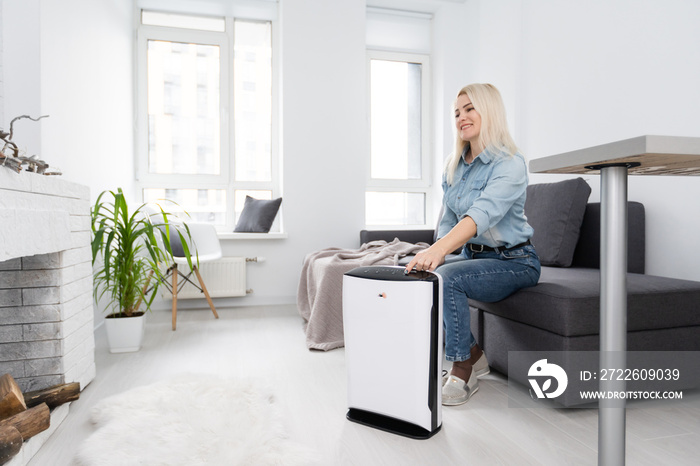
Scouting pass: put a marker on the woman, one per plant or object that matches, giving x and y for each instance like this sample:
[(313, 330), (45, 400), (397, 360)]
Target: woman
[(484, 197)]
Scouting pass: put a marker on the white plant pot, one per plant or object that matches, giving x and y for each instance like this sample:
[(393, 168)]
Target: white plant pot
[(125, 334)]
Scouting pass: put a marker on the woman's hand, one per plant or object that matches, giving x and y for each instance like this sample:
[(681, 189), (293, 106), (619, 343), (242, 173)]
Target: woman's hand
[(428, 259), (433, 257)]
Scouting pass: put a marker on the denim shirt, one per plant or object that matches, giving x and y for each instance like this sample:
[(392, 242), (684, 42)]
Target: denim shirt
[(490, 190)]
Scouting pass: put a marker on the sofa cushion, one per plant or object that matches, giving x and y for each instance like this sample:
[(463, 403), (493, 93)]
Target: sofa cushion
[(555, 211), (587, 252), (567, 302), (258, 215)]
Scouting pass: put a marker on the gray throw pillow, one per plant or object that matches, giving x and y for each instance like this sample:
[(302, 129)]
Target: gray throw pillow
[(257, 215), (555, 211)]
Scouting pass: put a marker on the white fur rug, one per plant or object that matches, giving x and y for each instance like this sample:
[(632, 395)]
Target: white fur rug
[(191, 420)]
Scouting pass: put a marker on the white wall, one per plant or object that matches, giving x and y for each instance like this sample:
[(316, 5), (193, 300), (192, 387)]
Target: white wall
[(454, 59), (324, 140), (72, 60), (2, 85), (325, 131), (325, 137), (22, 72), (589, 73), (87, 88)]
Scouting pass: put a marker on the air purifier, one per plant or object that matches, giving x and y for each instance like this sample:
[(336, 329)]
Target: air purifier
[(393, 349)]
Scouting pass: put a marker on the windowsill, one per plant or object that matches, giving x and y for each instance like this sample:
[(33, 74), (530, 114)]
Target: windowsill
[(247, 236)]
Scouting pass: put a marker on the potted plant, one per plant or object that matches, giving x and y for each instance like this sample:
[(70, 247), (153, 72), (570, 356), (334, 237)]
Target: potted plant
[(130, 246)]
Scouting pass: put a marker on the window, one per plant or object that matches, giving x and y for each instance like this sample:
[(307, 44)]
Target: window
[(205, 110), (397, 191)]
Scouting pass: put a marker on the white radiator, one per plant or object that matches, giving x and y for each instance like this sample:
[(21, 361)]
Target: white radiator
[(223, 278)]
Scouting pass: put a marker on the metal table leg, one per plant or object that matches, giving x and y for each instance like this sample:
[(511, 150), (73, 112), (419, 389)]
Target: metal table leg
[(613, 311)]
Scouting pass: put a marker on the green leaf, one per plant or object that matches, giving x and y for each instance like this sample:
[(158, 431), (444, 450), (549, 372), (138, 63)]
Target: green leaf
[(130, 251)]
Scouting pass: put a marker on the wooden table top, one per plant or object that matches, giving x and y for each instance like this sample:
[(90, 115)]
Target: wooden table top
[(645, 155)]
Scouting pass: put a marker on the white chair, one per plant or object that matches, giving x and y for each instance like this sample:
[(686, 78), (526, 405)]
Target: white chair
[(203, 247)]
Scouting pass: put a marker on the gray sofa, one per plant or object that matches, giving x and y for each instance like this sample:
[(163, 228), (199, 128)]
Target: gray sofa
[(562, 312)]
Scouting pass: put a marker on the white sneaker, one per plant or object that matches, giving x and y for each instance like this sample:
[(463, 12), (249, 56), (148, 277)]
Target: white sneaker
[(456, 391), (480, 368)]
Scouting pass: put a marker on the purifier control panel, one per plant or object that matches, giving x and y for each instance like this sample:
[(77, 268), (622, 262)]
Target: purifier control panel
[(390, 273)]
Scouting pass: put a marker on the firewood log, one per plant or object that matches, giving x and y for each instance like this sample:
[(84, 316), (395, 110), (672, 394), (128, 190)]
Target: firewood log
[(11, 398), (53, 396), (30, 422), (10, 443)]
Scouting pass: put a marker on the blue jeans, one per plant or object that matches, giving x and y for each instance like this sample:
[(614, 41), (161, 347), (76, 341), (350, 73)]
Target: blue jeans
[(483, 276)]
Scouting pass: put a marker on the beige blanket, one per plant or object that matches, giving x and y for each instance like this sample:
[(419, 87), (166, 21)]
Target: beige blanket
[(320, 293)]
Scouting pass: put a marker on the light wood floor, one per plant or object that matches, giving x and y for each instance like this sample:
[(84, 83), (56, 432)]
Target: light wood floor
[(267, 343)]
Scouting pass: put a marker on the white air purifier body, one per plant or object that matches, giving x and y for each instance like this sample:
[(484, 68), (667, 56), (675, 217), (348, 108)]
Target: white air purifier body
[(393, 349)]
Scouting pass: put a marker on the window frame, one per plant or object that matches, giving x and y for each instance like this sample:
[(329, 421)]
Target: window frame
[(225, 180), (424, 184)]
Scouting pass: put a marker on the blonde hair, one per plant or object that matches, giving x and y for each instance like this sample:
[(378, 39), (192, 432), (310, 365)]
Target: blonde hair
[(494, 133)]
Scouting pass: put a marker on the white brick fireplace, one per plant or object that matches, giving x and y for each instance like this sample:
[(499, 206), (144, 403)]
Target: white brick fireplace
[(46, 307)]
